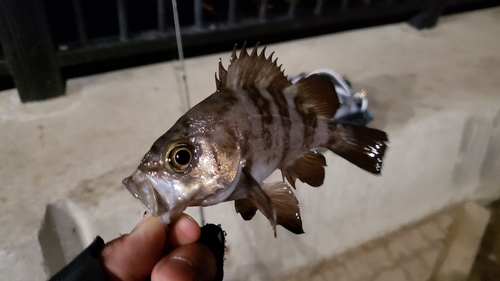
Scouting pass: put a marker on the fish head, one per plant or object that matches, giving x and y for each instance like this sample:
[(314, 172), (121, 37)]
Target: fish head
[(178, 172)]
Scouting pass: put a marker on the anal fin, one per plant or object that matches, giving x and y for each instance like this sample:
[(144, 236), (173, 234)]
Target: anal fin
[(284, 202), (286, 205), (308, 168)]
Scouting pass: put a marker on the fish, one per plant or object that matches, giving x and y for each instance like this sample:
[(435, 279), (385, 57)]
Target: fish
[(256, 121)]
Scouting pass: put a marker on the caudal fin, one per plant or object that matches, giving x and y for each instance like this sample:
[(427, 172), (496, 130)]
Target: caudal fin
[(362, 146)]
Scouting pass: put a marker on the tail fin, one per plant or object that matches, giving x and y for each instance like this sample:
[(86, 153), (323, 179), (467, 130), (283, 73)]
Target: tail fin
[(362, 146)]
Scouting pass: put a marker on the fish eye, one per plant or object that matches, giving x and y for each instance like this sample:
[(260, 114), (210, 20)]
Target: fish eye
[(179, 157), (182, 156)]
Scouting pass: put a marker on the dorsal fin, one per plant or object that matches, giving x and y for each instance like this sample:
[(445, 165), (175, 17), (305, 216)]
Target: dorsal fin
[(316, 93), (251, 70)]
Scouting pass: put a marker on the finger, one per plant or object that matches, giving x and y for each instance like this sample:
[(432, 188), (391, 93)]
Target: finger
[(184, 231), (133, 256), (186, 263)]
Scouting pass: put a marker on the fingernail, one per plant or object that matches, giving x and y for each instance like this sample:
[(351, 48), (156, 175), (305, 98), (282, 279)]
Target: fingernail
[(192, 219), (183, 267)]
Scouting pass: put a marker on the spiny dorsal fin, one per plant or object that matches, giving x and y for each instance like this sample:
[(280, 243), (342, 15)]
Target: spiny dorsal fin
[(308, 168), (316, 93), (251, 70)]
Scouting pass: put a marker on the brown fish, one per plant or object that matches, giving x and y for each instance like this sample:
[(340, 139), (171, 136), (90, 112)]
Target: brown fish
[(257, 121)]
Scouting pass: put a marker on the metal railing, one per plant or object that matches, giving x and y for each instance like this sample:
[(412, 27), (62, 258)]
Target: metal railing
[(43, 39)]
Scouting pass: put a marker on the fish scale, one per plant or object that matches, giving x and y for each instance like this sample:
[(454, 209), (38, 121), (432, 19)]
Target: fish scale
[(257, 121)]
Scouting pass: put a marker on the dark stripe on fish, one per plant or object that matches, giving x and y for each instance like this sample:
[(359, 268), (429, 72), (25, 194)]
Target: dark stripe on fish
[(263, 106), (311, 130), (310, 121), (286, 124), (245, 147), (261, 103)]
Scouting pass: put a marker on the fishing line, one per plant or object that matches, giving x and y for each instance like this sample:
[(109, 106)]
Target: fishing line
[(180, 51)]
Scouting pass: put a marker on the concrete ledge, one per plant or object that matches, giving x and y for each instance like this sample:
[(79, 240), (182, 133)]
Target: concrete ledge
[(462, 243), (440, 247), (409, 253)]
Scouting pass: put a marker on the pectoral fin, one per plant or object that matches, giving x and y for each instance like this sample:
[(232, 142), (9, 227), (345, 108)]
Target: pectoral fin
[(259, 198), (308, 168)]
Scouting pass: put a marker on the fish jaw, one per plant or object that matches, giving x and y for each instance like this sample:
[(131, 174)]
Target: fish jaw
[(158, 197)]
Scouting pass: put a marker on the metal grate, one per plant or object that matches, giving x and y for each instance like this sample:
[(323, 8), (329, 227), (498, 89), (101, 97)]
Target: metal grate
[(121, 23), (86, 32)]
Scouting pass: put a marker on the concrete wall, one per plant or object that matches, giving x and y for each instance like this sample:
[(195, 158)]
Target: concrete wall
[(435, 92)]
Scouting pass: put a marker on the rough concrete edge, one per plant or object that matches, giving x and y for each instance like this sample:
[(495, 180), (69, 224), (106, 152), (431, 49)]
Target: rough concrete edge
[(450, 210), (465, 234), (59, 237), (486, 265)]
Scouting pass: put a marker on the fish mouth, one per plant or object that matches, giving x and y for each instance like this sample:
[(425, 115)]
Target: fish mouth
[(143, 189)]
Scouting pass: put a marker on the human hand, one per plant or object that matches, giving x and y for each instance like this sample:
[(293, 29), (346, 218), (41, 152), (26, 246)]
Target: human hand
[(164, 253)]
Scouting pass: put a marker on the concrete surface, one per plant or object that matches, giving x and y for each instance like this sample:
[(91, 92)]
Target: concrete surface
[(435, 92), (407, 254), (461, 244), (487, 262), (440, 247)]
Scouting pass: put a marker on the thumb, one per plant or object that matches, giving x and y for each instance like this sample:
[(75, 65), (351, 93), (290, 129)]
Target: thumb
[(133, 256)]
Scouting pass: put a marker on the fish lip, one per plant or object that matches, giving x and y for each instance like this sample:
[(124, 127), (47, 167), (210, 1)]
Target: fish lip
[(139, 185)]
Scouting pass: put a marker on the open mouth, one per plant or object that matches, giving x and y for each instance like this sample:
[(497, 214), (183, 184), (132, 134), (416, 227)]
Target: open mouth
[(141, 187)]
